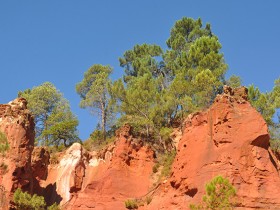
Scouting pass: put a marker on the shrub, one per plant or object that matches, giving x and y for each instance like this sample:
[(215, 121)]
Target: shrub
[(156, 167), (4, 144), (149, 200), (3, 168), (96, 143), (55, 206), (97, 136), (167, 163), (165, 133), (131, 204), (219, 195), (24, 201)]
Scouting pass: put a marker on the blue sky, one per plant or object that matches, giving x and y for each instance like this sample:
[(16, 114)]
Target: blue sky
[(58, 41)]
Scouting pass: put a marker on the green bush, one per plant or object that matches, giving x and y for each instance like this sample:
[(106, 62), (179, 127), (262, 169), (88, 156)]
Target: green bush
[(131, 204), (24, 201), (55, 206), (156, 167), (219, 195), (97, 136), (167, 163), (4, 144), (96, 141), (165, 134)]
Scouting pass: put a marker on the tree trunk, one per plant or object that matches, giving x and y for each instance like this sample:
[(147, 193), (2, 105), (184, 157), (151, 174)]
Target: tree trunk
[(147, 131), (103, 120), (46, 143)]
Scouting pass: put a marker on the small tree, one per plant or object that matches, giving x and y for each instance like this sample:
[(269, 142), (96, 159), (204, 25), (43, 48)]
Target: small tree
[(219, 194), (62, 127), (53, 117)]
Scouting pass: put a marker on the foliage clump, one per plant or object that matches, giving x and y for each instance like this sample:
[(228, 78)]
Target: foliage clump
[(95, 93), (4, 147), (4, 144), (96, 139), (131, 204), (54, 206), (219, 195), (167, 163), (268, 104), (25, 201), (159, 88), (55, 123), (164, 164)]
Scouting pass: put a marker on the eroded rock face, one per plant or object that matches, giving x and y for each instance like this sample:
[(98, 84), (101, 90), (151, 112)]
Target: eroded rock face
[(17, 124), (40, 161), (120, 172), (230, 139), (67, 176)]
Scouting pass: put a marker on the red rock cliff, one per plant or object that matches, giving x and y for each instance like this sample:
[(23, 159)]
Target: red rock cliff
[(17, 124), (229, 139), (119, 172)]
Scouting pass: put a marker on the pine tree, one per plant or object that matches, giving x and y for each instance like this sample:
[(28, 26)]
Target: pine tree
[(45, 102), (94, 91), (219, 195)]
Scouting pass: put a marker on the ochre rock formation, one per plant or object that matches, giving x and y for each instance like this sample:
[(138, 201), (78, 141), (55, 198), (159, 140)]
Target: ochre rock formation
[(40, 161), (120, 172), (66, 176), (230, 139), (17, 124)]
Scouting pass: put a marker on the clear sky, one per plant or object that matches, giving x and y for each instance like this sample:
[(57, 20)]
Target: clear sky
[(58, 41)]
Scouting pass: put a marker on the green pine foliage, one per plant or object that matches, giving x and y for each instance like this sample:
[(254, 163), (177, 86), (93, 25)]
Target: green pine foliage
[(167, 163), (4, 144), (263, 103), (4, 147), (24, 201), (55, 206), (234, 81), (55, 123), (62, 127), (131, 204), (268, 104), (159, 88), (95, 93), (140, 60), (219, 195)]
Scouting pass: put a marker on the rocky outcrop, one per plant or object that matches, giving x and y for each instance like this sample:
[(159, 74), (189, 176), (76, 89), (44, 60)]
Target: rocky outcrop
[(17, 124), (230, 139), (40, 161), (119, 172), (65, 177), (76, 177)]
